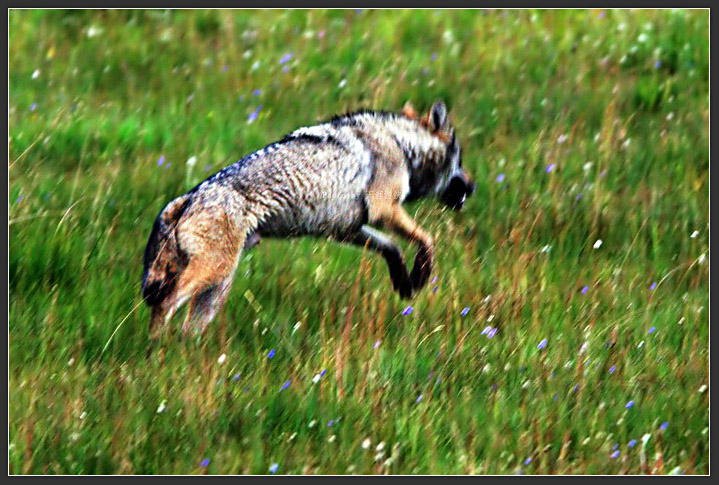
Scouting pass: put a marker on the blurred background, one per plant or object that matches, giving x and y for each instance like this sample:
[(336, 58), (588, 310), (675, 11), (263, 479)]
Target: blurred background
[(566, 330)]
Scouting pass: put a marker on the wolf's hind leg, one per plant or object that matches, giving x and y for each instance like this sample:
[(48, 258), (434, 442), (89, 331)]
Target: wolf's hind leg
[(376, 241)]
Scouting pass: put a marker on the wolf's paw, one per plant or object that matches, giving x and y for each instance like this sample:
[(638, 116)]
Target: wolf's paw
[(422, 268)]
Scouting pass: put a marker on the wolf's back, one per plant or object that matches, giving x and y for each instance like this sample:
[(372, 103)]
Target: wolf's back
[(164, 259)]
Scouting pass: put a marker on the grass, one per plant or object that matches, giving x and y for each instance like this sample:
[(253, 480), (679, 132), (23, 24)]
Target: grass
[(577, 126)]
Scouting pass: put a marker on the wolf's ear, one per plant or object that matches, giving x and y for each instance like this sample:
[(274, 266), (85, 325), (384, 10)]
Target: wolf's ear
[(437, 117), (409, 111)]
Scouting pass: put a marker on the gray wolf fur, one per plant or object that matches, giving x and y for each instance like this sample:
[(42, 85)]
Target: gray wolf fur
[(333, 180)]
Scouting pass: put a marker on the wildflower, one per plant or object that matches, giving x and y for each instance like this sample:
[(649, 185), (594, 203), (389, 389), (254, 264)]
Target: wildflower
[(342, 83), (205, 462), (629, 405), (602, 14), (285, 385), (615, 446), (271, 353), (703, 389), (579, 196), (664, 425), (486, 330), (631, 443), (191, 161), (657, 64), (324, 371), (597, 243), (546, 248), (222, 359), (550, 167), (528, 461), (694, 234), (612, 369), (585, 289), (253, 116), (236, 377), (615, 454), (562, 138), (654, 285), (286, 58), (434, 290), (36, 73), (377, 344), (33, 107), (366, 443), (542, 344), (316, 379), (330, 423), (257, 92), (274, 467), (433, 280), (285, 68), (161, 160), (162, 407), (407, 310), (321, 34), (419, 398), (500, 178), (465, 311), (492, 332), (224, 68), (652, 330), (332, 438), (312, 424), (434, 57)]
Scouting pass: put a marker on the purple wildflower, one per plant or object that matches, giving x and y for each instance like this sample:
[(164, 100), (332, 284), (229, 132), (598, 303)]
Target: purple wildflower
[(492, 332), (652, 330), (253, 116), (664, 425), (500, 178), (419, 398), (271, 353), (19, 198), (434, 290), (33, 107), (257, 92), (434, 57), (377, 344), (161, 160), (654, 285), (274, 467), (657, 64), (236, 377), (205, 462), (631, 443), (285, 385), (407, 310), (604, 172), (585, 290), (433, 280), (324, 371), (330, 422), (602, 14), (615, 446), (579, 196), (286, 58), (629, 405), (285, 68), (612, 369), (575, 388), (542, 344), (615, 454), (550, 167), (465, 311), (321, 34), (486, 330), (224, 68), (528, 461)]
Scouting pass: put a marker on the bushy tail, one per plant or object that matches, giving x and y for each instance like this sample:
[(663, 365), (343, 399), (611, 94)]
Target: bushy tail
[(164, 259)]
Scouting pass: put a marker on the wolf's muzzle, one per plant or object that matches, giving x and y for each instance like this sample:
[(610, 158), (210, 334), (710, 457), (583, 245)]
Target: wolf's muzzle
[(457, 191)]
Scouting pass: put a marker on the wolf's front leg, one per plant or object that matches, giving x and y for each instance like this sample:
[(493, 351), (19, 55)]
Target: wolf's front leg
[(399, 221), (376, 241)]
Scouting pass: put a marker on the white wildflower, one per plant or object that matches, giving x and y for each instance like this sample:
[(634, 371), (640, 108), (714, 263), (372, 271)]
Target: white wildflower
[(162, 407), (598, 244), (191, 162), (36, 73), (222, 359), (366, 443), (694, 234), (342, 83)]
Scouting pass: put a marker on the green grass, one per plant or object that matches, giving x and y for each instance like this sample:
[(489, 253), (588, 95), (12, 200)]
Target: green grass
[(615, 103)]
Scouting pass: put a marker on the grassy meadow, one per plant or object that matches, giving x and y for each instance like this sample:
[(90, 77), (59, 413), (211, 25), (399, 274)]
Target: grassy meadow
[(567, 330)]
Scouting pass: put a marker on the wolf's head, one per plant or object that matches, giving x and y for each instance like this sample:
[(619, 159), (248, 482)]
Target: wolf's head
[(440, 173)]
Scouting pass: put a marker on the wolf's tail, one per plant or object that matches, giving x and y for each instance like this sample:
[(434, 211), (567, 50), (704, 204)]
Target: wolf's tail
[(164, 258)]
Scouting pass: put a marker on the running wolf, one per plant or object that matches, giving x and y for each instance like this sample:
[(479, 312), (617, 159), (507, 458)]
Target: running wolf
[(332, 180)]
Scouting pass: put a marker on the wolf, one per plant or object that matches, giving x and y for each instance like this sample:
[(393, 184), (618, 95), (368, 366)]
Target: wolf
[(339, 180)]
